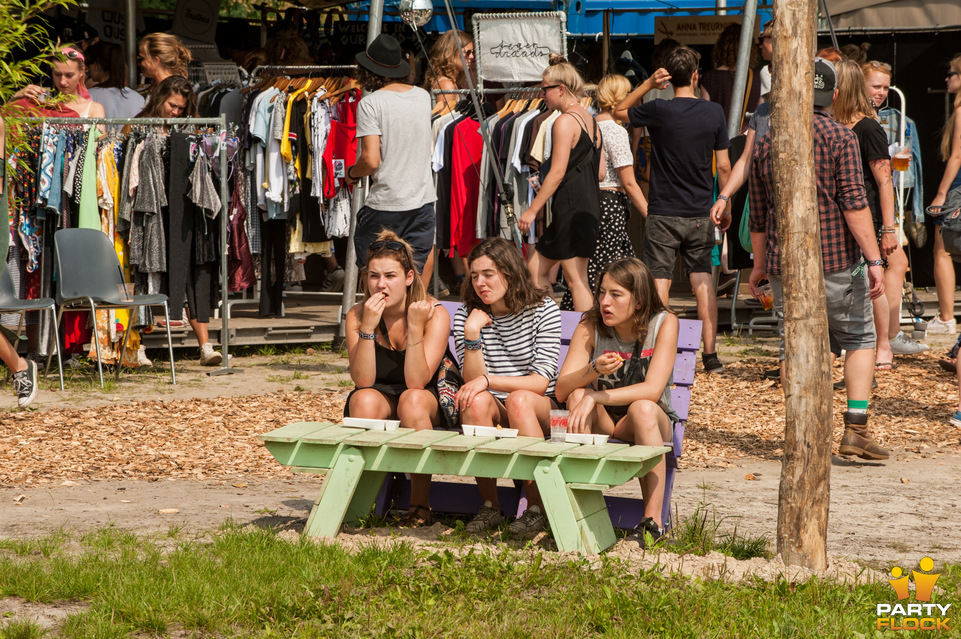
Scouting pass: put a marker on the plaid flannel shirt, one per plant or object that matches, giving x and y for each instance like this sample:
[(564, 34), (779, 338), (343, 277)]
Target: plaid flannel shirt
[(840, 187)]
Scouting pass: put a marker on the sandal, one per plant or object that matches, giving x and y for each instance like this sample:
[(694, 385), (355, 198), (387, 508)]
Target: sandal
[(885, 366), (949, 365), (415, 517)]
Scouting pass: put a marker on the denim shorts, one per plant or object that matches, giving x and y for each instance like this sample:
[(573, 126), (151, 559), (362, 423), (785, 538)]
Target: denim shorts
[(416, 227), (850, 312), (939, 220), (664, 235)]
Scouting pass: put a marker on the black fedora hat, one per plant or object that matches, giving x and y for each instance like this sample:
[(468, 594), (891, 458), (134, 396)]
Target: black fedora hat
[(384, 58)]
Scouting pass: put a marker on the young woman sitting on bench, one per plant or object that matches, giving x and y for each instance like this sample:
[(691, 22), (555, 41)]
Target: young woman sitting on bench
[(507, 335), (396, 340), (616, 378)]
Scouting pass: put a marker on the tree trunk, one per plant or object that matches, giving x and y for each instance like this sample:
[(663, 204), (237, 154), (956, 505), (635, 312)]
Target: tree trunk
[(808, 399)]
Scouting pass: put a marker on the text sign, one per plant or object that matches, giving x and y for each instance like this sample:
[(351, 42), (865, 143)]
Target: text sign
[(516, 48), (196, 19), (692, 30)]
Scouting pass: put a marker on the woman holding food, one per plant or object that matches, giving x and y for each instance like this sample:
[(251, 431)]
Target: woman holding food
[(507, 335), (396, 339), (618, 372)]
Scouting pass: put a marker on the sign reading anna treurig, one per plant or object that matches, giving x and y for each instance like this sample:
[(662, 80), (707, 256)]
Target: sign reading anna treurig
[(516, 48)]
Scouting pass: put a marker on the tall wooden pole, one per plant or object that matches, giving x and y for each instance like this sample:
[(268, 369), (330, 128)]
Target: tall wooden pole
[(805, 472)]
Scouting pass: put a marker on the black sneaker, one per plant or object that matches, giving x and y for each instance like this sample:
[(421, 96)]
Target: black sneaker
[(711, 363), (25, 384), (648, 527), (774, 373)]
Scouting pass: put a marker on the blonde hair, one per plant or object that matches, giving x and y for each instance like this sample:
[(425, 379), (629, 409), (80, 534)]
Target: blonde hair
[(404, 255), (173, 55), (443, 56), (611, 90), (563, 72), (948, 131), (852, 102)]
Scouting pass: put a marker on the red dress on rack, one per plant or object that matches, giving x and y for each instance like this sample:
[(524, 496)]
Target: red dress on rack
[(342, 141), (466, 153)]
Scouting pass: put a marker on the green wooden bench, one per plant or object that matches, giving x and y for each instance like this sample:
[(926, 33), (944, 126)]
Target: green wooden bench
[(571, 478)]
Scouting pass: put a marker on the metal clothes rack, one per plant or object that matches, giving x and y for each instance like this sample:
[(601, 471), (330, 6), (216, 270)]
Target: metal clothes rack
[(220, 125), (310, 68)]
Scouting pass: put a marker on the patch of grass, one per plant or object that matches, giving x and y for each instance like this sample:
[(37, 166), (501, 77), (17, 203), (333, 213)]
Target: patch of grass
[(299, 375), (242, 582), (21, 630), (756, 351), (346, 383), (700, 533)]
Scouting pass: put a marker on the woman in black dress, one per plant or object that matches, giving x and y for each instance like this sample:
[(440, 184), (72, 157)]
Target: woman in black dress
[(576, 165)]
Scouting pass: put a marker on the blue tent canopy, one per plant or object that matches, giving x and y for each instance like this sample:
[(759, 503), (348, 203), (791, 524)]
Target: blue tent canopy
[(631, 18)]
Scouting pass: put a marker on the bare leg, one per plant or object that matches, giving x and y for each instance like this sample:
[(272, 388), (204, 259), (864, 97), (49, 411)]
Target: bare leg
[(529, 413), (428, 271), (417, 409), (706, 309), (882, 319), (200, 330), (575, 273), (663, 291), (368, 403), (540, 267), (9, 356), (859, 374), (943, 277), (893, 287), (485, 410), (645, 423)]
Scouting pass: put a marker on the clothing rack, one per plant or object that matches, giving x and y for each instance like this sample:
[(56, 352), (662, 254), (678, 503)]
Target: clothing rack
[(220, 125), (310, 68)]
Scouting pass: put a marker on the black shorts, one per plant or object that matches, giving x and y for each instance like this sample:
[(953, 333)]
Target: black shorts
[(416, 227), (664, 235)]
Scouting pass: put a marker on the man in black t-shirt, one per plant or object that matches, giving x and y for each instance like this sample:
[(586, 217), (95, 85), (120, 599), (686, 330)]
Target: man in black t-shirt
[(687, 133)]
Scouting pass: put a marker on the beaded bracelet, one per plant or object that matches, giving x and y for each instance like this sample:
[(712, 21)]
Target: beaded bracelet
[(472, 344), (370, 336), (594, 366), (409, 344), (874, 262)]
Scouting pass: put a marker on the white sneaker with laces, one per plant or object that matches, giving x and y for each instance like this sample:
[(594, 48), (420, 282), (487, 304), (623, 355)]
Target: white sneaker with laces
[(904, 345), (938, 326), (210, 357)]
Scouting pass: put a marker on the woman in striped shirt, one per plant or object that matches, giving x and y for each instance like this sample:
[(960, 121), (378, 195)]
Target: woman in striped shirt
[(507, 335)]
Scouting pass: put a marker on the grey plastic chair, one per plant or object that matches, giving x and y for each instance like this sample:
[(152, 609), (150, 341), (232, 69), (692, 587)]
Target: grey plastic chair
[(10, 302), (89, 276)]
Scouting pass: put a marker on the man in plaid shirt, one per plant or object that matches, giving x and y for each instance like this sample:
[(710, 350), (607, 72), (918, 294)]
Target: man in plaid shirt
[(847, 233)]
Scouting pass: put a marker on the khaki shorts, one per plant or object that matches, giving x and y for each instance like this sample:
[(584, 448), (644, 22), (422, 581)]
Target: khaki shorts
[(850, 313)]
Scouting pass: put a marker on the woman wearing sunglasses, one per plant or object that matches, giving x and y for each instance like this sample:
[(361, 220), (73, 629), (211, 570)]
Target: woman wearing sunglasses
[(577, 166), (68, 73), (396, 339)]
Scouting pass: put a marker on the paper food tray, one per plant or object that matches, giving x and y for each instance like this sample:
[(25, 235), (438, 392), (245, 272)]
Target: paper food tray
[(488, 431), (372, 424)]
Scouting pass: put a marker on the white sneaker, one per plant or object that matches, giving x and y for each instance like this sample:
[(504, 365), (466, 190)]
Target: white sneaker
[(210, 357), (142, 358), (938, 326), (904, 345)]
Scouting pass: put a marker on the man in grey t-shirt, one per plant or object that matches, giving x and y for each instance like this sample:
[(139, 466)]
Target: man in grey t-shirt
[(393, 125)]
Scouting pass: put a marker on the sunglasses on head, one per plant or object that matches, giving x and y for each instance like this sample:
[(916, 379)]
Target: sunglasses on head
[(72, 54), (392, 245)]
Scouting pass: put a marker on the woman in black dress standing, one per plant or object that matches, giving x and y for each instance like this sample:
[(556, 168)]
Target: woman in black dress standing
[(573, 179)]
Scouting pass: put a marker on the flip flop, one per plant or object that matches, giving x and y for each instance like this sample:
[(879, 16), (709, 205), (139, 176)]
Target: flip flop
[(948, 365), (885, 366)]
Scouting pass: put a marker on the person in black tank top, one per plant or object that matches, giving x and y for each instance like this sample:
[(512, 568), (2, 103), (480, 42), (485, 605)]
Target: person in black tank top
[(573, 182), (396, 340), (609, 392)]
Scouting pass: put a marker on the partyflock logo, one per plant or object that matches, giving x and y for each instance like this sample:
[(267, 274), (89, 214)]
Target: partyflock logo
[(914, 616)]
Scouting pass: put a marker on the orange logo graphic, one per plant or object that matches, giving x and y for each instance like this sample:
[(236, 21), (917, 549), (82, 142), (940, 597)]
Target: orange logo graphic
[(914, 616)]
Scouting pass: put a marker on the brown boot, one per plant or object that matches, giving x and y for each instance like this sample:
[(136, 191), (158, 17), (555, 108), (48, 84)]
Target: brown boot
[(857, 440)]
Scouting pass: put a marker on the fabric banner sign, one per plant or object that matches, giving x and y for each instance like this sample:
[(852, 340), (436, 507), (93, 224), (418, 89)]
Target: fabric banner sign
[(515, 48)]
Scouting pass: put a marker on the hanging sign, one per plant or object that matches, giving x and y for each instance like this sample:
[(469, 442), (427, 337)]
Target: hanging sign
[(516, 47), (691, 30), (196, 19)]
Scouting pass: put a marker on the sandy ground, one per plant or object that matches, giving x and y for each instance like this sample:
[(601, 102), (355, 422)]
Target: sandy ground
[(881, 513)]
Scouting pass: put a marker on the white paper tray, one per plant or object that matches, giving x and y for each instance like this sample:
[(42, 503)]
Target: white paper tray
[(488, 431), (586, 438), (372, 424)]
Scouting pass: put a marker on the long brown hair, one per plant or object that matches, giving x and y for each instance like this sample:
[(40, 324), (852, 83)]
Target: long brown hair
[(443, 55), (171, 85), (633, 275), (399, 251), (521, 292), (852, 103), (948, 131)]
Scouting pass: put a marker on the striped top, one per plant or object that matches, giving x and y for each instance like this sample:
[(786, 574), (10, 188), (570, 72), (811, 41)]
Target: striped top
[(518, 344)]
